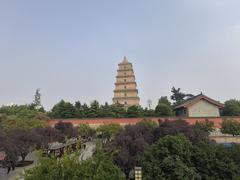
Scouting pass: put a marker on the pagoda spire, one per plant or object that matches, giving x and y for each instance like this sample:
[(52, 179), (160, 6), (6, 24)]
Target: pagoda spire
[(125, 59)]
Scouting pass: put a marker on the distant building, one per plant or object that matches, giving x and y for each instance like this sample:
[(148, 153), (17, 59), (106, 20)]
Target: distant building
[(199, 106), (125, 92)]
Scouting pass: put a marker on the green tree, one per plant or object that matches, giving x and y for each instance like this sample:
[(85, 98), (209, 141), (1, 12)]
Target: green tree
[(12, 122), (79, 110), (23, 141), (86, 110), (63, 110), (149, 123), (94, 109), (21, 111), (229, 126), (37, 99), (134, 111), (118, 110), (106, 111), (179, 97), (149, 112), (213, 161), (207, 125), (164, 100), (163, 110), (109, 130), (169, 158), (98, 167), (51, 169), (164, 107), (231, 108), (85, 130)]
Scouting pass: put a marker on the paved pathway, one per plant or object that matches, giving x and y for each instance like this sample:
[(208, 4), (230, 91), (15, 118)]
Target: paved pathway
[(88, 151), (18, 170)]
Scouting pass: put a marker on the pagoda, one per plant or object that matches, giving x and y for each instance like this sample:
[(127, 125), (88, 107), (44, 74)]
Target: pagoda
[(125, 92)]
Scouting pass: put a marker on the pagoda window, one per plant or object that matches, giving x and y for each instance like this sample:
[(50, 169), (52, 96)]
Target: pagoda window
[(125, 87), (125, 103), (125, 80), (125, 94)]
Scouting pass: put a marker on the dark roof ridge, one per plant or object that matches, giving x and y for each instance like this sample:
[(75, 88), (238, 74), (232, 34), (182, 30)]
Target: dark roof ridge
[(197, 98)]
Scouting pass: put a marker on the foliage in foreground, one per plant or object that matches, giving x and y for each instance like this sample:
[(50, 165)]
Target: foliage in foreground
[(169, 158), (128, 144), (174, 150), (98, 167), (175, 157)]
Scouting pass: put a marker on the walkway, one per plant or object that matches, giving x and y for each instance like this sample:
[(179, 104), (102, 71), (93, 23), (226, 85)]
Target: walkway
[(88, 151), (18, 170)]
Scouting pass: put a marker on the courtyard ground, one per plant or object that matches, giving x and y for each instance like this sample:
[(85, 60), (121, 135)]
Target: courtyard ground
[(18, 170)]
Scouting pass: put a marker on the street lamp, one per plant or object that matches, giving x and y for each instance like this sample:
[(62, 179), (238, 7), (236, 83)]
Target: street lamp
[(138, 173)]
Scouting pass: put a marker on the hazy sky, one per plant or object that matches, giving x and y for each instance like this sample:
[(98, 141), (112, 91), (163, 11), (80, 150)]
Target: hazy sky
[(70, 49)]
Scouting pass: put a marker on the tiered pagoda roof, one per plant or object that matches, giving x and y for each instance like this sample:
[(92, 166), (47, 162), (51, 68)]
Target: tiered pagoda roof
[(125, 92)]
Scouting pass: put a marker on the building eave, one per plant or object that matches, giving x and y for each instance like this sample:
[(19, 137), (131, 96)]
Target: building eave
[(198, 98)]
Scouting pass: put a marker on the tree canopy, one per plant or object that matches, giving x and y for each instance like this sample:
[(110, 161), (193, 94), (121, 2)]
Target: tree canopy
[(85, 131), (21, 111), (98, 167), (179, 97), (67, 129), (37, 99), (134, 111), (63, 110), (175, 157), (8, 123), (192, 132), (231, 108), (163, 110), (23, 141), (128, 144), (109, 130), (169, 158)]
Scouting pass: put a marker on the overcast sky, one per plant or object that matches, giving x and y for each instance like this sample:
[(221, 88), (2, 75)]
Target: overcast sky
[(71, 49)]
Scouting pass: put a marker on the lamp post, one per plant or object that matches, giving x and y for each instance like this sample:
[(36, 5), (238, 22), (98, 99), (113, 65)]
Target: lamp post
[(138, 173)]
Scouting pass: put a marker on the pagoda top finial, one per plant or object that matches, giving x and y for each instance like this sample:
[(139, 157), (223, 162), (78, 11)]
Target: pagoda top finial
[(125, 59)]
